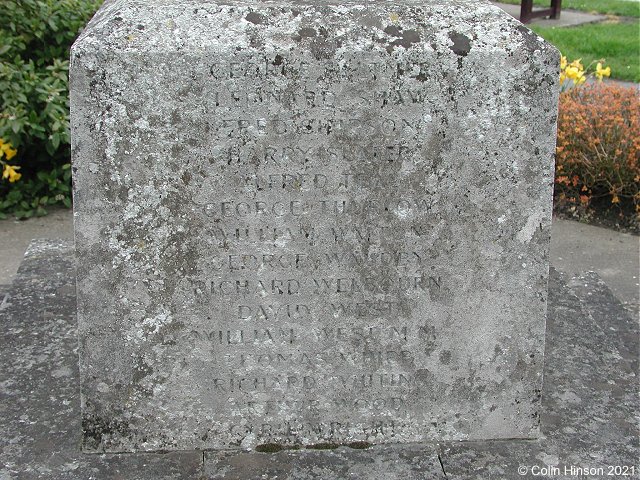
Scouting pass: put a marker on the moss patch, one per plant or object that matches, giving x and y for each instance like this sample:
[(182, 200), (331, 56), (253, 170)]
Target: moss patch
[(278, 447), (323, 446), (359, 445), (270, 448)]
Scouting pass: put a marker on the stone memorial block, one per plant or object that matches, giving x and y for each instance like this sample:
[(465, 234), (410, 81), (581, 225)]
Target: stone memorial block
[(306, 222)]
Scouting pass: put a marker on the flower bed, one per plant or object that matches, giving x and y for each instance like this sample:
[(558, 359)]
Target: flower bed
[(598, 154)]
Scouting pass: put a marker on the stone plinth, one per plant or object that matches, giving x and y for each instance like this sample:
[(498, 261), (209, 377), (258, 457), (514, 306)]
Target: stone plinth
[(303, 223)]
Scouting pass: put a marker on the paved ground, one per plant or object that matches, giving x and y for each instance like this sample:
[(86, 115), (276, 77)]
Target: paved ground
[(568, 18), (15, 237), (575, 248)]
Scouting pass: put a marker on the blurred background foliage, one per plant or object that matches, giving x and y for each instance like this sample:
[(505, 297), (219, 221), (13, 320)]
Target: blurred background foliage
[(35, 37)]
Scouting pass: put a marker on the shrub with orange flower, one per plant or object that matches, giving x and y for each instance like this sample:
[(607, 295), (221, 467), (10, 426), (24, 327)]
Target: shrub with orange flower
[(598, 149)]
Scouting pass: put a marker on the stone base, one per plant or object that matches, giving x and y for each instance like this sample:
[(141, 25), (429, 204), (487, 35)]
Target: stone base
[(590, 399)]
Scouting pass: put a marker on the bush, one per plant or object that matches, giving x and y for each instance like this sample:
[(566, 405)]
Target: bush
[(35, 38), (598, 151)]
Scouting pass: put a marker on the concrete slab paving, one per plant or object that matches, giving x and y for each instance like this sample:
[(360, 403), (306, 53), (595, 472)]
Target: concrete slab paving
[(15, 236), (577, 248)]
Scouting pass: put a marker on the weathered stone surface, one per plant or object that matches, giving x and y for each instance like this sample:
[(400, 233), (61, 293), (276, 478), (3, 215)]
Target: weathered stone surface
[(4, 289), (590, 400), (381, 462), (303, 223), (585, 421), (40, 418)]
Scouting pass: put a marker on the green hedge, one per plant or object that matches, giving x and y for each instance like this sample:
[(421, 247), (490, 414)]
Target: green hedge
[(35, 38)]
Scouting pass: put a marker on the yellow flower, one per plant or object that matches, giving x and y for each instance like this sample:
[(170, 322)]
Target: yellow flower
[(11, 173), (602, 72), (563, 77), (577, 64), (572, 72), (563, 62), (5, 148)]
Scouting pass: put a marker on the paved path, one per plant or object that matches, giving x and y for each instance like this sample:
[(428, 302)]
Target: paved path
[(568, 18), (15, 236), (575, 248)]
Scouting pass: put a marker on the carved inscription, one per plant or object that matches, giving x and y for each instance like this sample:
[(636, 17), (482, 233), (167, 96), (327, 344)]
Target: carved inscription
[(318, 248)]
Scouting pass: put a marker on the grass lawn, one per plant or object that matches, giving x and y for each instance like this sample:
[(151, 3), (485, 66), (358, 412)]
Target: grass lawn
[(609, 7), (617, 43)]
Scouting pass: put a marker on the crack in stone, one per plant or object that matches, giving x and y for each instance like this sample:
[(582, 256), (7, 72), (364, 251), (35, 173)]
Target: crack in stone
[(442, 467)]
